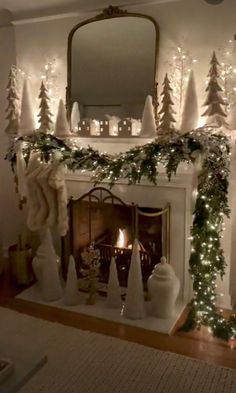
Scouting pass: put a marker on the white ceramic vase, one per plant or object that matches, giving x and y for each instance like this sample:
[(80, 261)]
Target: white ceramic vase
[(163, 287)]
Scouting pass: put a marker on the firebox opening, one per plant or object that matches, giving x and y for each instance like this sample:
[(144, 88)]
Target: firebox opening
[(112, 226)]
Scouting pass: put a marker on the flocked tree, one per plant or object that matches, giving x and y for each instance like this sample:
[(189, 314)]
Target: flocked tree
[(167, 111), (214, 101), (45, 116), (13, 103)]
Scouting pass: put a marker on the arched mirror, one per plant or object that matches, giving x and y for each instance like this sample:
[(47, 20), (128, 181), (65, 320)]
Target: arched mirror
[(112, 61)]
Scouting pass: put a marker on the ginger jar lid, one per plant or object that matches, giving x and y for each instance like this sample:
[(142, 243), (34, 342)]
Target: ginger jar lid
[(163, 270)]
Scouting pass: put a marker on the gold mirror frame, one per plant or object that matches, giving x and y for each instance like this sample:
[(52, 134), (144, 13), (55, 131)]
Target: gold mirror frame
[(109, 13)]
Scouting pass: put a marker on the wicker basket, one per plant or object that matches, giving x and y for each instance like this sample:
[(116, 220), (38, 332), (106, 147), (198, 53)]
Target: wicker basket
[(20, 265)]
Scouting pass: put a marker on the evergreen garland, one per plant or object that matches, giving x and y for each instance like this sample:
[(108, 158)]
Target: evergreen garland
[(207, 259)]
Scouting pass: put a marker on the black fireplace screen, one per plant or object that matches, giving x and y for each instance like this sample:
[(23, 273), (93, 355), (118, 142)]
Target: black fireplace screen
[(102, 218)]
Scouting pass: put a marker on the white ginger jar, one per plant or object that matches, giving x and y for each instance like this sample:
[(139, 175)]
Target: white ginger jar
[(163, 288)]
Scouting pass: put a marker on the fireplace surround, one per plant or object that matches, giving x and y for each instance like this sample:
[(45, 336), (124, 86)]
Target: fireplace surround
[(178, 194)]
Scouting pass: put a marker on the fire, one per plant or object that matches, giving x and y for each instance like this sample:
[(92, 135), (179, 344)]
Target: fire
[(121, 241)]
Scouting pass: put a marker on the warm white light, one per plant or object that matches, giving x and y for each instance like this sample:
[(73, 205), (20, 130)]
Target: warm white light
[(121, 239)]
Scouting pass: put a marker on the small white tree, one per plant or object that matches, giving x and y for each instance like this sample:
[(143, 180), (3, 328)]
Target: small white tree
[(214, 101), (62, 129), (45, 116), (190, 113), (27, 120), (71, 295), (13, 103), (167, 111), (134, 301), (75, 116), (148, 128), (113, 287)]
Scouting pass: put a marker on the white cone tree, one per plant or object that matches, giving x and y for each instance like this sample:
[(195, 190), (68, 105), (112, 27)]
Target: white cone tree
[(13, 104), (27, 120), (45, 116), (71, 295), (190, 113), (148, 128), (75, 116), (46, 269), (113, 287), (134, 301), (62, 129), (214, 101), (166, 112)]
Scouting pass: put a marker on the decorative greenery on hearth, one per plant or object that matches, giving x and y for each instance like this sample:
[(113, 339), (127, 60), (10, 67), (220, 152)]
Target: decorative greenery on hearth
[(207, 259)]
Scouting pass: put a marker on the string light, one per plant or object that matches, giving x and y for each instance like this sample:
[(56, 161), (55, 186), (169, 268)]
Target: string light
[(179, 71), (228, 72)]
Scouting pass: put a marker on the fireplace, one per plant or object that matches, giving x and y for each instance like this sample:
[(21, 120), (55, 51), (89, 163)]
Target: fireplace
[(102, 218)]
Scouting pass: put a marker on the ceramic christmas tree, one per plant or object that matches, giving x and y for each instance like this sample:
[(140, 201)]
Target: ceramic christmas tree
[(190, 113), (62, 129), (75, 116), (45, 116), (27, 121), (13, 104), (166, 112), (134, 301), (71, 294), (148, 128), (113, 287), (214, 101)]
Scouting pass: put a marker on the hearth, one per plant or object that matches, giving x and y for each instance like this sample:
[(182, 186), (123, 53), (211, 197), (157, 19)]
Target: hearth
[(102, 218)]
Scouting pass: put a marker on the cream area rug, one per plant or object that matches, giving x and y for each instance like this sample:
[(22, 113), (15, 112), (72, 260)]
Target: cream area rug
[(85, 362)]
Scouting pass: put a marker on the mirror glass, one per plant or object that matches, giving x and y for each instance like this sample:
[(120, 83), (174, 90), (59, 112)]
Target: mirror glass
[(113, 65)]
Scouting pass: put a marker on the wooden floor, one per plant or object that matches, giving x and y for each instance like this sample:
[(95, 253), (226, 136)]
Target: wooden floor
[(199, 345)]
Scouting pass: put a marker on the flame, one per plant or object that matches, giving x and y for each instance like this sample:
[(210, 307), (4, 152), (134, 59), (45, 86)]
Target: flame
[(121, 239)]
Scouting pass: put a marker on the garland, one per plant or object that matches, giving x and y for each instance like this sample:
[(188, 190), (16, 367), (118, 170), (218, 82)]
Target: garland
[(207, 259)]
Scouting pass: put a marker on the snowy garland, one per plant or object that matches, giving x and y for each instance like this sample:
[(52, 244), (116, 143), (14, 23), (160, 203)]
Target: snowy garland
[(207, 259)]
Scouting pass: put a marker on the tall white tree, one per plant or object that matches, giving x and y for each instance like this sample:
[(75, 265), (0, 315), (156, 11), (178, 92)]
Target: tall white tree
[(71, 294), (148, 128), (167, 111), (13, 103), (190, 113), (134, 301), (113, 288), (27, 119), (62, 129), (75, 116), (45, 116), (214, 101)]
